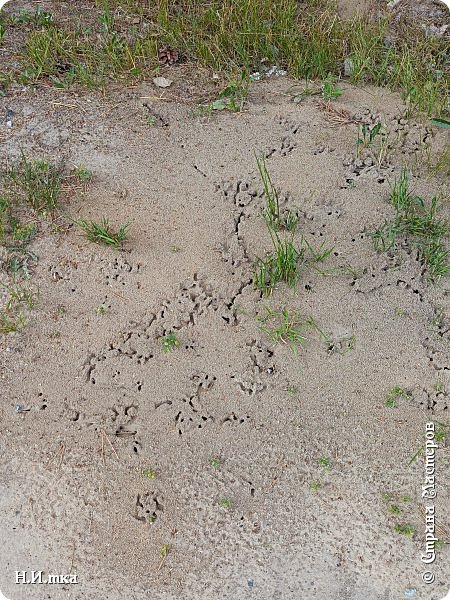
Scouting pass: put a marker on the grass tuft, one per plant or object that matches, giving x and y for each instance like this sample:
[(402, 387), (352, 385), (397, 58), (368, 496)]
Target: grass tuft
[(395, 394), (101, 233), (169, 342), (36, 182), (419, 225), (20, 299), (288, 328)]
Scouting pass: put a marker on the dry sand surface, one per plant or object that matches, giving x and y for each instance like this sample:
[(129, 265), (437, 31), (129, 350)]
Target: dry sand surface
[(274, 472)]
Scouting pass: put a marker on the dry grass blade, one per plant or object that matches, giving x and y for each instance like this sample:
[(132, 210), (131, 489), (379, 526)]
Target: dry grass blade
[(57, 453), (101, 450), (336, 116)]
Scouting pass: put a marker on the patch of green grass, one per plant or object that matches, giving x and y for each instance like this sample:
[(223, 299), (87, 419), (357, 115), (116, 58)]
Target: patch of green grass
[(230, 36), (271, 210), (394, 394), (101, 233), (215, 462), (441, 433), (2, 30), (438, 166), (169, 342), (20, 299), (225, 503), (287, 328), (36, 182), (150, 473), (85, 56), (82, 173), (165, 551), (367, 135), (320, 254), (439, 545), (101, 310), (315, 485), (40, 18), (282, 266), (325, 462), (405, 529), (15, 236), (419, 225), (291, 389)]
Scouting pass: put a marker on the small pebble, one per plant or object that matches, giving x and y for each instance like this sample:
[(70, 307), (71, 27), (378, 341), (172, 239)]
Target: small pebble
[(348, 67)]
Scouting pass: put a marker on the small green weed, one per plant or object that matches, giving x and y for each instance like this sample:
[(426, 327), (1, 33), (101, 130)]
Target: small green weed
[(225, 503), (329, 90), (215, 462), (306, 92), (439, 545), (150, 473), (101, 233), (15, 236), (271, 211), (165, 551), (169, 342), (282, 266), (441, 433), (394, 394), (233, 96), (319, 255), (101, 310), (367, 135), (325, 462), (288, 329), (82, 173), (405, 529), (419, 225), (39, 18), (439, 387), (315, 485)]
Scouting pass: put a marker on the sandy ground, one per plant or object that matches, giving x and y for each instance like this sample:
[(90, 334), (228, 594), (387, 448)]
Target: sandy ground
[(292, 528)]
